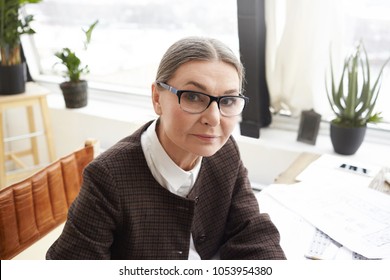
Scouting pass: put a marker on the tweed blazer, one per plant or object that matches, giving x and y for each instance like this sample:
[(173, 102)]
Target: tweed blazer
[(122, 212)]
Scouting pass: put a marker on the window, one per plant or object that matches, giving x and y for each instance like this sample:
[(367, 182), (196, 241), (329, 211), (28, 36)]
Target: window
[(131, 36), (299, 35), (369, 21)]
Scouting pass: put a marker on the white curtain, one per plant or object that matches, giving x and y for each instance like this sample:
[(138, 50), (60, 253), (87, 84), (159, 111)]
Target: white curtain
[(299, 34)]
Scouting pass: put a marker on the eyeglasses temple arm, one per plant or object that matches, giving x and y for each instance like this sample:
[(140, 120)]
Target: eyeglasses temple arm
[(168, 87)]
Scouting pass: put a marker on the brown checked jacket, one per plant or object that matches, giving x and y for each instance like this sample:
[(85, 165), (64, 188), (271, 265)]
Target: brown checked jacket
[(122, 212)]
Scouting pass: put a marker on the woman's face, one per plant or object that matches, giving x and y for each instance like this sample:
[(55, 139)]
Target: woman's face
[(186, 136)]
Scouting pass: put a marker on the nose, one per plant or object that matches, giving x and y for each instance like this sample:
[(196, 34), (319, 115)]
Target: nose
[(211, 116)]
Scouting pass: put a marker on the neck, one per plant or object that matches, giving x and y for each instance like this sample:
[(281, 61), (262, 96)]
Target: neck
[(181, 158), (185, 164)]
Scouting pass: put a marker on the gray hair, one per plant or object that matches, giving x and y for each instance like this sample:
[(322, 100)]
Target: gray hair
[(197, 48)]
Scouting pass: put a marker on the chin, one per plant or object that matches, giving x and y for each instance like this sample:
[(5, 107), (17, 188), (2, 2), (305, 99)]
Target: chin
[(208, 152)]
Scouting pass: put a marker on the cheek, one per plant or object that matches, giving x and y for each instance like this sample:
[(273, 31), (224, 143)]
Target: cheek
[(173, 115), (176, 121), (228, 126)]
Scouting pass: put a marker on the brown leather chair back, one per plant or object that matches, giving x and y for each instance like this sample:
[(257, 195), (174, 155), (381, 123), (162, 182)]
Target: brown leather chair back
[(33, 207)]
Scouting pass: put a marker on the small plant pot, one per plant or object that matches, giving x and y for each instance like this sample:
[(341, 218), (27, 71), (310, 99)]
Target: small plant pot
[(346, 140), (13, 79), (75, 94)]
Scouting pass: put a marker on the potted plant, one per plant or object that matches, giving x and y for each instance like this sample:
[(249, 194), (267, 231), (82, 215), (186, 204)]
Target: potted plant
[(353, 100), (75, 89), (12, 26)]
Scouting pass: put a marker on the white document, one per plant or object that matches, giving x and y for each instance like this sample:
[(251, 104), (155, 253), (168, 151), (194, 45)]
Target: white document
[(337, 170), (356, 217)]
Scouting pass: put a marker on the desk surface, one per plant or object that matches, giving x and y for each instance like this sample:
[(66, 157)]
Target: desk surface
[(296, 233), (289, 175)]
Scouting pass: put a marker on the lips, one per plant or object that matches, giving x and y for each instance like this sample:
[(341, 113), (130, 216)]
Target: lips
[(206, 137)]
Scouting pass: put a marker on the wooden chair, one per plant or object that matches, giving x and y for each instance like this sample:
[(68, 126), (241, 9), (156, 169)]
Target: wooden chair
[(33, 207)]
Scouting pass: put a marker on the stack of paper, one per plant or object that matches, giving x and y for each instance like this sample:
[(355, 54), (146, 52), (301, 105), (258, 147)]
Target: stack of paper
[(339, 171), (356, 217), (335, 198)]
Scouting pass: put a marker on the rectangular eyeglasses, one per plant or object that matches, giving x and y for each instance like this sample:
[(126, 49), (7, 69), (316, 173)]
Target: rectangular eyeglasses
[(194, 102)]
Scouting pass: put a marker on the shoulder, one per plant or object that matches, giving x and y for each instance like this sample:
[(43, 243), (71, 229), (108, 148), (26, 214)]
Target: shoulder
[(125, 147), (123, 155)]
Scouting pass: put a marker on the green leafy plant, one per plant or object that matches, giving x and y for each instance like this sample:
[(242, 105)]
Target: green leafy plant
[(12, 26), (353, 98), (68, 58)]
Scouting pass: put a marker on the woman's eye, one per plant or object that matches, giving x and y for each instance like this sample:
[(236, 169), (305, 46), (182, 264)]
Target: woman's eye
[(227, 101), (192, 96)]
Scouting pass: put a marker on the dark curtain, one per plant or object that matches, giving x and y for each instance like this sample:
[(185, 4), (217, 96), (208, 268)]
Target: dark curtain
[(252, 35)]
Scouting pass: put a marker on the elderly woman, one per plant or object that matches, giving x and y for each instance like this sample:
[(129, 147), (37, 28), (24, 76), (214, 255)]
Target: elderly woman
[(176, 188)]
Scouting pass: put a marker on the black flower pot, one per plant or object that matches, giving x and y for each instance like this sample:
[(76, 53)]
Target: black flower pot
[(12, 79), (75, 94), (346, 140)]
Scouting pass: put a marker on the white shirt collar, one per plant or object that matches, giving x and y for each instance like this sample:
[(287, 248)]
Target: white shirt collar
[(163, 168)]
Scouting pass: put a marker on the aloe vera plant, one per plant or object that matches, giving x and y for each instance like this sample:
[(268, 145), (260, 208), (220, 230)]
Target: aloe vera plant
[(353, 98)]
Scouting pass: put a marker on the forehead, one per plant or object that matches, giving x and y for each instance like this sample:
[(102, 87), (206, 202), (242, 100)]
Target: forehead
[(207, 72)]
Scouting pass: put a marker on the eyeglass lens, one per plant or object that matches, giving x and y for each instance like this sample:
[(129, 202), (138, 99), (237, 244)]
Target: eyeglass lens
[(194, 102)]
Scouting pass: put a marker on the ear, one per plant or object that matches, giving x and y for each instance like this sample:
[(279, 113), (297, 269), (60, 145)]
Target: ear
[(156, 99)]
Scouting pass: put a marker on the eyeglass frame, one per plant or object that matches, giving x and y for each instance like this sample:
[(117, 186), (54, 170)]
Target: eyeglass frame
[(178, 93)]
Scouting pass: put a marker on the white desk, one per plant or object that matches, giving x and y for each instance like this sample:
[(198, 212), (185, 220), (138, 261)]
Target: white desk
[(296, 233)]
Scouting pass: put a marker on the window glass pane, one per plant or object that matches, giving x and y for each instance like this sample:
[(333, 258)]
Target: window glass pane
[(131, 36), (369, 21)]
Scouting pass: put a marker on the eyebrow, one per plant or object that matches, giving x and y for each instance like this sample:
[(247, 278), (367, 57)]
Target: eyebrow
[(203, 87)]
